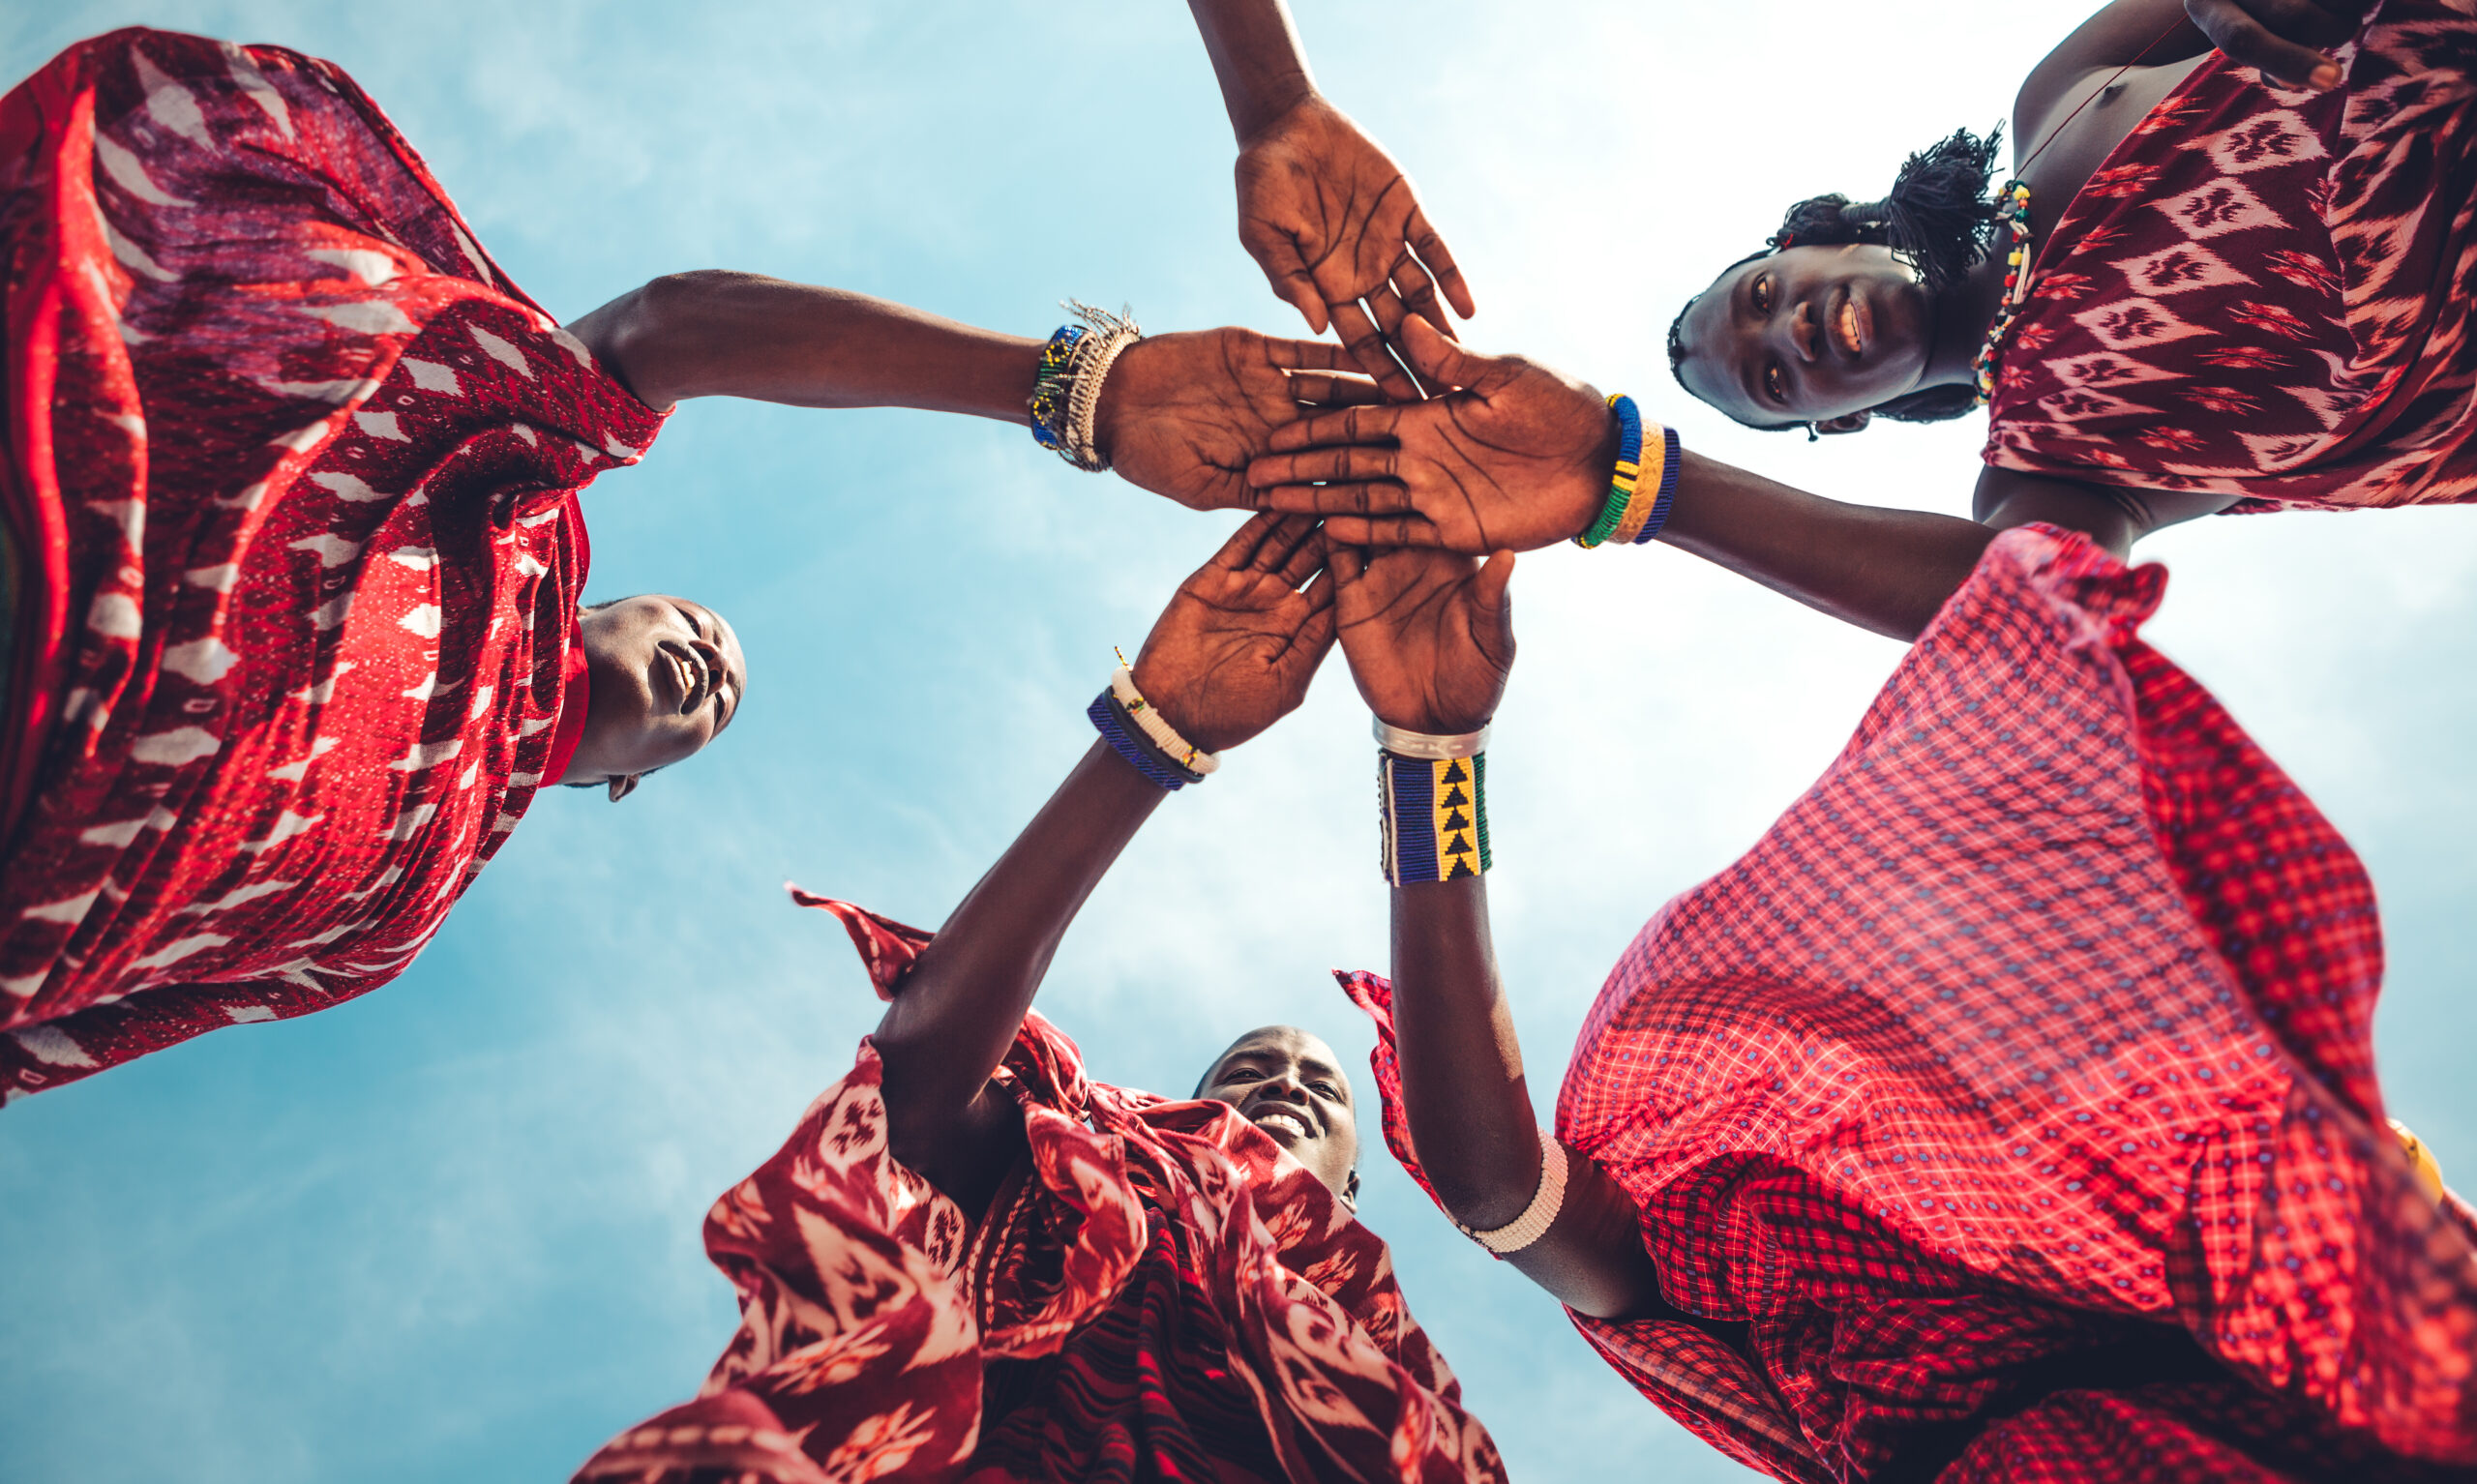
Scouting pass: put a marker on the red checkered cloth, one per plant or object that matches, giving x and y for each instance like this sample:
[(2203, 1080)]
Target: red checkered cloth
[(2268, 292), (290, 467), (2009, 1111), (1159, 1291)]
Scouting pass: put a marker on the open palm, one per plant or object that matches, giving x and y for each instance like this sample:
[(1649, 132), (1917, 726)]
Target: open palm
[(1429, 635), (1182, 414), (1235, 650), (1516, 458)]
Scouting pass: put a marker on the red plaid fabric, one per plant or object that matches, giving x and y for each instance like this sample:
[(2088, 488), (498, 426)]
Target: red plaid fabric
[(2009, 1107), (2268, 293), (291, 472), (1157, 1293)]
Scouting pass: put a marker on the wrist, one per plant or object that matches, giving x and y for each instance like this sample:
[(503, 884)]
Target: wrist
[(1432, 804), (1642, 480), (1270, 103)]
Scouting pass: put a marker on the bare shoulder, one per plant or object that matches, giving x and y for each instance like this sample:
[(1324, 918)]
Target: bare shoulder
[(2151, 31), (2113, 516)]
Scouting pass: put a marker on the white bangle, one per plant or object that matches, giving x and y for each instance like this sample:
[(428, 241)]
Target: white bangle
[(1538, 1216), (1164, 735), (1429, 745), (1111, 334)]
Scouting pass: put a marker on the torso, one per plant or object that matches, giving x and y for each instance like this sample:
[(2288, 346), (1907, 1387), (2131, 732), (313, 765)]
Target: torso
[(2055, 153)]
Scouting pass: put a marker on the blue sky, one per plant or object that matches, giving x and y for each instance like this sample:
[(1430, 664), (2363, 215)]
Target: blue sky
[(450, 1230)]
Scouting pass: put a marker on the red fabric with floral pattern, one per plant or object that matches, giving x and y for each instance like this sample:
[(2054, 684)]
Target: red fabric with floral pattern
[(2268, 293), (1159, 1293), (291, 470), (2027, 1053)]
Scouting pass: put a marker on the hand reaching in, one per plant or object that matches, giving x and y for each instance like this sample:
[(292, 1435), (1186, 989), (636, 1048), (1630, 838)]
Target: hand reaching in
[(1182, 414), (1234, 651), (1429, 635), (1516, 458), (1333, 220), (2286, 40)]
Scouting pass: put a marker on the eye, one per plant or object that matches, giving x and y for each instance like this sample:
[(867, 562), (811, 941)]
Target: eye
[(1775, 384), (690, 619), (1761, 294), (1324, 1089)]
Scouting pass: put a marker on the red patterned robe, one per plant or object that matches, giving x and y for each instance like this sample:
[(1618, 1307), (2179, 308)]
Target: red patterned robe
[(290, 477), (2009, 1112), (2268, 292), (1159, 1291)]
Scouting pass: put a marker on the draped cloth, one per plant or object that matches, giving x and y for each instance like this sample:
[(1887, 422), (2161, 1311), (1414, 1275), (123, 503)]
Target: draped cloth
[(2267, 292), (290, 470), (2008, 1111), (1159, 1292)]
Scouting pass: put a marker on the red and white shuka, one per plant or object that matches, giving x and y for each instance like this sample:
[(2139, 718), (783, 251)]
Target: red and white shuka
[(2009, 1112), (2269, 292), (291, 482), (1159, 1291)]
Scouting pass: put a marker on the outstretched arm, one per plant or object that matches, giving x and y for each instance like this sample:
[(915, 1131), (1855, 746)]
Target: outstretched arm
[(1230, 654), (1430, 641), (1325, 212), (1519, 456)]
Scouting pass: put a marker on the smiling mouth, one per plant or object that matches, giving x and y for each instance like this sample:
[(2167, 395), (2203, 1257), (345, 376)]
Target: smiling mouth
[(692, 674), (1850, 323), (1283, 1120)]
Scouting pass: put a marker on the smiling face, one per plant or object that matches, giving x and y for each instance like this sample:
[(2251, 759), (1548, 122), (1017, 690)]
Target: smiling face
[(667, 678), (1290, 1085), (1807, 335)]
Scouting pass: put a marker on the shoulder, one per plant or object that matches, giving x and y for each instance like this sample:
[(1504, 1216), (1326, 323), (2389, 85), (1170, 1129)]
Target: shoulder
[(2116, 35)]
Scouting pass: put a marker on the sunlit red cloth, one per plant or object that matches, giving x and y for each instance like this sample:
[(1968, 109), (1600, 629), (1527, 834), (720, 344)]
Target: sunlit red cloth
[(1158, 1292), (2266, 293), (2032, 1040), (292, 466)]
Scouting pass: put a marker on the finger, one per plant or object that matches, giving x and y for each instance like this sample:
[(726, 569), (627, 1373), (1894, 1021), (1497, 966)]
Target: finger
[(1334, 389), (1290, 536), (1240, 551), (1491, 611), (1307, 558), (2247, 41), (1367, 347), (1276, 252), (1348, 531), (1425, 242), (1309, 355), (1439, 361), (1345, 564), (1332, 465), (1352, 425), (1417, 290), (1386, 306), (1353, 499)]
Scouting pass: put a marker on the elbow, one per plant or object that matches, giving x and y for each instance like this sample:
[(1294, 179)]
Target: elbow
[(648, 338)]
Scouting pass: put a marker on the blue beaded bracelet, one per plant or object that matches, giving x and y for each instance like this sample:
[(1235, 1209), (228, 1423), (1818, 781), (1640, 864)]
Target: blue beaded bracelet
[(1110, 718), (1051, 386), (1668, 488)]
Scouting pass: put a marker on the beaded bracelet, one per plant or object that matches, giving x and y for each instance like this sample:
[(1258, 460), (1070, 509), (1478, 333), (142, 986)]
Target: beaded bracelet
[(1641, 489), (1137, 731), (1432, 809), (1155, 727), (1536, 1217), (1067, 389)]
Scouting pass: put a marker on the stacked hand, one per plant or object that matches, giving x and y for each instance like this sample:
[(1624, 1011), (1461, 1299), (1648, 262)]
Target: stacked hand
[(1333, 220), (1182, 414), (1516, 457), (1429, 635), (2288, 40), (1234, 651)]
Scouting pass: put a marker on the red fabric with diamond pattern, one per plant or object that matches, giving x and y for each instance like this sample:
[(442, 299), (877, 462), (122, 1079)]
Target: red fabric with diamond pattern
[(295, 464)]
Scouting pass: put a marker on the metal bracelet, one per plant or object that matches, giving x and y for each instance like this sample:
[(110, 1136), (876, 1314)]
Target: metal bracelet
[(1427, 744)]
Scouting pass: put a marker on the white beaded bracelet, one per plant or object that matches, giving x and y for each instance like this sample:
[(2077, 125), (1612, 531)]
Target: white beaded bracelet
[(1111, 334), (1430, 746), (1148, 717), (1538, 1216)]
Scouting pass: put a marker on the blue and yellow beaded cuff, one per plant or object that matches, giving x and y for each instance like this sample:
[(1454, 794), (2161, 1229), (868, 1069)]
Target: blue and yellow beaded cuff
[(1642, 487), (1434, 814)]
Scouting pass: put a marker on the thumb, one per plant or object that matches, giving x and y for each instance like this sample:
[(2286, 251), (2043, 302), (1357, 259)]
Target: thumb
[(1491, 610), (1276, 252), (1439, 362)]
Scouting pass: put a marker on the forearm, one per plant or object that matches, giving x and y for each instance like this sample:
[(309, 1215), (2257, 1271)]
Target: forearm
[(721, 334), (1889, 571), (1256, 57), (955, 1015)]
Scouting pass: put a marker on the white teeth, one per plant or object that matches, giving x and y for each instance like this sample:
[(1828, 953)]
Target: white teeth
[(1849, 324), (1291, 1121)]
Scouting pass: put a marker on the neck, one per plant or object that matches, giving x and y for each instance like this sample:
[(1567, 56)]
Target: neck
[(1962, 315)]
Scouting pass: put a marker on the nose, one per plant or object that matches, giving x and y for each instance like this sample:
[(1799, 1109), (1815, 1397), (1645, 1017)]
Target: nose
[(1287, 1087), (1803, 331)]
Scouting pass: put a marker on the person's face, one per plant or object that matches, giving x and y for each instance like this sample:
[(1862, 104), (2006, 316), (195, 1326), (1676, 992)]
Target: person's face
[(667, 678), (1807, 335), (1290, 1085)]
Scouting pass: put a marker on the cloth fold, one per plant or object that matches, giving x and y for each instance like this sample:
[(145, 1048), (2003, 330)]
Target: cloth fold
[(1159, 1293), (2267, 292), (2038, 1029)]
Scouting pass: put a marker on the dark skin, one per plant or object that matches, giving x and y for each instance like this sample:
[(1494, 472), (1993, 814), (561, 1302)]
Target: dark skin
[(1232, 654), (1517, 456), (1429, 636), (668, 675), (1329, 215), (1288, 1083)]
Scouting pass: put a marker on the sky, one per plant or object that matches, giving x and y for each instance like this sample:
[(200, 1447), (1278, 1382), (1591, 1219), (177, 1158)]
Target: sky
[(450, 1228)]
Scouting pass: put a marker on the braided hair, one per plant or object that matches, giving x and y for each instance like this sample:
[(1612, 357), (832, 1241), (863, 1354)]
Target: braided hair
[(1939, 219)]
